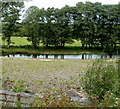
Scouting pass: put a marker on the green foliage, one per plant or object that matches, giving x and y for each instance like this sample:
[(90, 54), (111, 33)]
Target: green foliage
[(15, 86), (10, 19), (20, 86), (31, 27), (101, 78), (18, 89), (94, 24), (18, 104), (110, 100)]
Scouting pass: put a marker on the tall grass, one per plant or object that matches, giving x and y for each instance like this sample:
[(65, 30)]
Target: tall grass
[(102, 81)]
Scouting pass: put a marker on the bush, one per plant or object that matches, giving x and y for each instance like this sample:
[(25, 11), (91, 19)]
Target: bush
[(101, 78), (54, 100)]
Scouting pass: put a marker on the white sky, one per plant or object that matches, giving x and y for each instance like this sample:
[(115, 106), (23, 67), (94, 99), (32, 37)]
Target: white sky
[(61, 3)]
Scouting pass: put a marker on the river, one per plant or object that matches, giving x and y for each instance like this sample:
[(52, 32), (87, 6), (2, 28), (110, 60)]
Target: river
[(80, 56)]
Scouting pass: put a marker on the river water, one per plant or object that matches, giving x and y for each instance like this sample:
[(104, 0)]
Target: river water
[(81, 56)]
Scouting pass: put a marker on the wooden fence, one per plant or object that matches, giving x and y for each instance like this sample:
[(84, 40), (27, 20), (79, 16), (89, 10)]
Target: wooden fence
[(12, 99)]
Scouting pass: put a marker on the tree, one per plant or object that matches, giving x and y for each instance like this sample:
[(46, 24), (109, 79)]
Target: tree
[(83, 23), (49, 36), (57, 27), (93, 24), (64, 23), (31, 25), (107, 21), (10, 19)]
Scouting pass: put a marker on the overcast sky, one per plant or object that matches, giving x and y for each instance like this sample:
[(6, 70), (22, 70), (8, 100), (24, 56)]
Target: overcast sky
[(61, 3)]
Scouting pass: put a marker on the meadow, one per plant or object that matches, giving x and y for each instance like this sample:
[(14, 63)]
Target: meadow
[(21, 45), (22, 41), (46, 77), (51, 77), (42, 75)]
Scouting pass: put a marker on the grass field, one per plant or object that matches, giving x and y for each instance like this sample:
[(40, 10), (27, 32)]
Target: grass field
[(21, 45), (17, 41), (41, 75), (48, 77), (20, 41)]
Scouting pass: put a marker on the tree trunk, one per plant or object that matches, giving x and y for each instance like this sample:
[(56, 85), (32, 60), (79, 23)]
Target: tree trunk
[(114, 45), (83, 45), (46, 45), (34, 45), (63, 44), (102, 44), (8, 41), (89, 46)]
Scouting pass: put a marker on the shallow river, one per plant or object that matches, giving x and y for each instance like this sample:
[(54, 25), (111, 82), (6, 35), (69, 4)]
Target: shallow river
[(81, 56)]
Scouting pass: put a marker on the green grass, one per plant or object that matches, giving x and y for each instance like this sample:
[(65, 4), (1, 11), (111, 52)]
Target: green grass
[(75, 44), (17, 41), (22, 41), (21, 45), (70, 50), (102, 81)]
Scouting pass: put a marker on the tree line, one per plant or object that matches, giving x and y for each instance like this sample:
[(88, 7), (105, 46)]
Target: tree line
[(93, 24)]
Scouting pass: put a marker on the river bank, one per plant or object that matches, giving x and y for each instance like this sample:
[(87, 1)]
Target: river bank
[(42, 50)]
